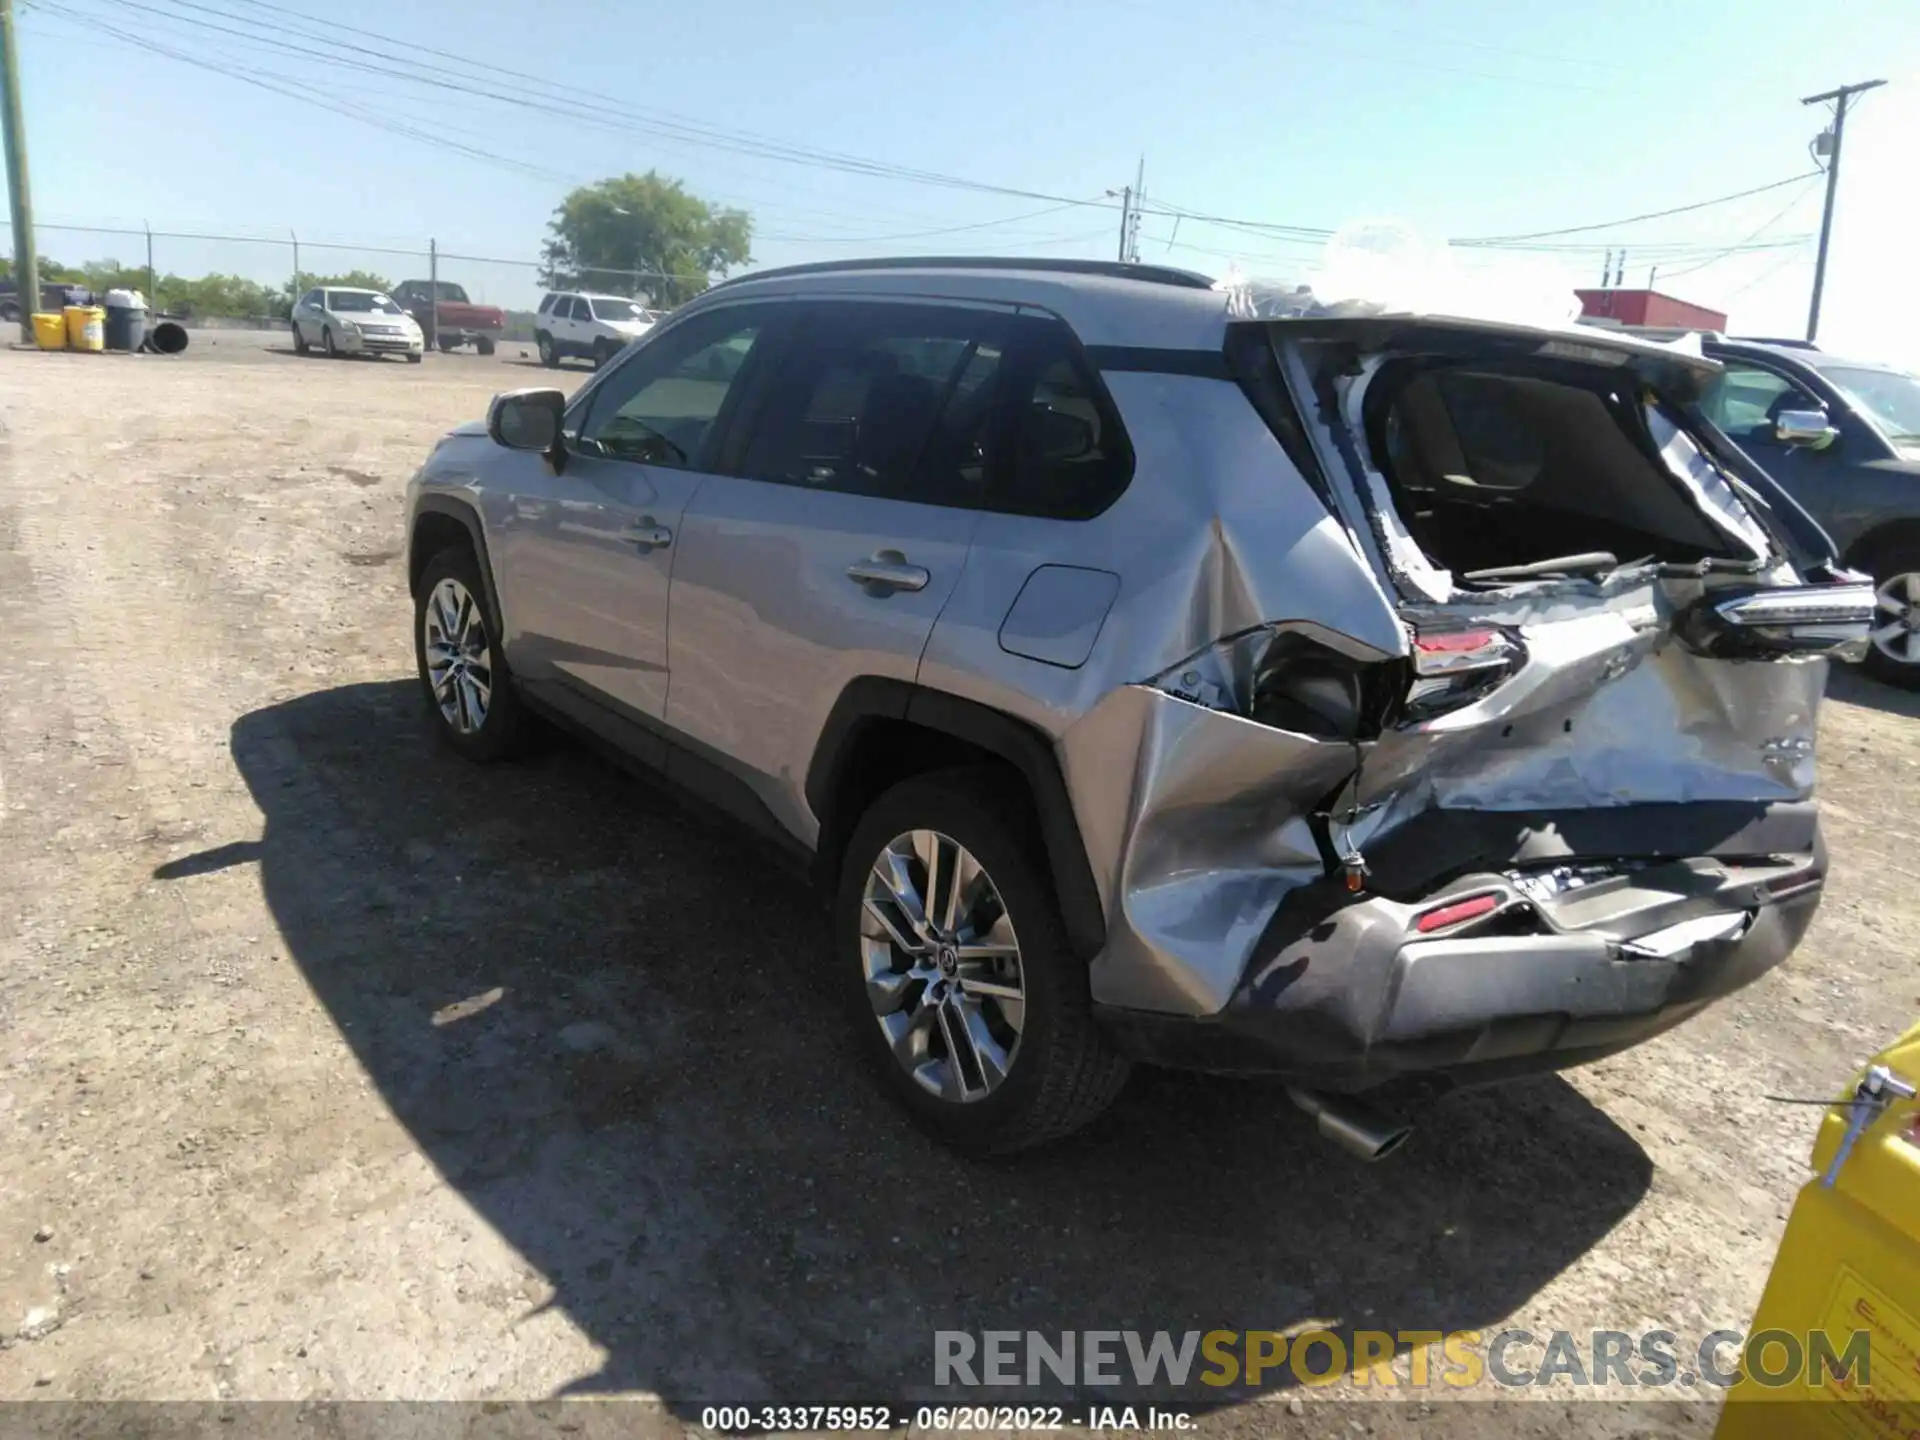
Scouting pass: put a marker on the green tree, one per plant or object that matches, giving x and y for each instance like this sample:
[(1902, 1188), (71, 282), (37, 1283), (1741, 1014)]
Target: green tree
[(351, 280), (602, 233)]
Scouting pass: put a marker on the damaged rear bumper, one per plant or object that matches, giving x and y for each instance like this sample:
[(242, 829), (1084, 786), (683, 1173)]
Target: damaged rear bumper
[(1545, 978)]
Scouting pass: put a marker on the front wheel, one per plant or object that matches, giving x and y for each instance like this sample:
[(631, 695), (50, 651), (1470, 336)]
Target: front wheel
[(463, 674), (413, 357), (1894, 652), (326, 343), (300, 346), (955, 964), (602, 353), (548, 355)]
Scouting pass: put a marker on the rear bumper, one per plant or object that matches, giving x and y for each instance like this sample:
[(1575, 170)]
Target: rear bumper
[(1361, 997)]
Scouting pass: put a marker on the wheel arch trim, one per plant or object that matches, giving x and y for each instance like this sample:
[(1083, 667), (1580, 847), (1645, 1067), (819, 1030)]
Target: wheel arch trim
[(873, 698), (469, 519)]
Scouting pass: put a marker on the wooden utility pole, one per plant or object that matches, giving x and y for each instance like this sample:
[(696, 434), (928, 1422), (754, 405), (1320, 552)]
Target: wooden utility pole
[(26, 258), (1840, 97)]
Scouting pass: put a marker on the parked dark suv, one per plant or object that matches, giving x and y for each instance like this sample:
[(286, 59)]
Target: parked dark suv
[(1843, 438)]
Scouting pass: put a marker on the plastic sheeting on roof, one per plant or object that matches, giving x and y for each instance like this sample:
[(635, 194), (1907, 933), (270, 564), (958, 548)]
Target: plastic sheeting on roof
[(1386, 267)]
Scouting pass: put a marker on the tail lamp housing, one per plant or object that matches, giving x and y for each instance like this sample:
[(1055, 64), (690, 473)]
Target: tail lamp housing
[(1455, 667)]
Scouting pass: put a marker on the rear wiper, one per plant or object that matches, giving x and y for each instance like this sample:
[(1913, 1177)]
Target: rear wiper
[(1594, 562)]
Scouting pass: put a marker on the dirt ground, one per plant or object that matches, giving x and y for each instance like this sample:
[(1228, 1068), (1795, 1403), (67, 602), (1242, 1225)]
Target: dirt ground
[(332, 1068)]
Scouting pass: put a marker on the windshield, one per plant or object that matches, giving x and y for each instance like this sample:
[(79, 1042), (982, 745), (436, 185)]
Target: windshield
[(618, 310), (354, 301), (447, 290), (1890, 398)]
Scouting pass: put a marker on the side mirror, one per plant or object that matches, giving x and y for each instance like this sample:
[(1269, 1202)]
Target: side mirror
[(1059, 435), (527, 420), (1805, 428)]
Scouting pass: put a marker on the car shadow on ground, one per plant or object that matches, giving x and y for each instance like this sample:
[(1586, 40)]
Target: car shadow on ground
[(606, 1021), (1854, 686)]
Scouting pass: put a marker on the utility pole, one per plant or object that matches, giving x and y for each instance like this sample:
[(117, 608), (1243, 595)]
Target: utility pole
[(26, 257), (433, 293), (1126, 220), (1139, 198), (153, 291), (1840, 99)]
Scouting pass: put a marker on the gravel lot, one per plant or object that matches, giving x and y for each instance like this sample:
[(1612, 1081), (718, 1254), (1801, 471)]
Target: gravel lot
[(336, 1069)]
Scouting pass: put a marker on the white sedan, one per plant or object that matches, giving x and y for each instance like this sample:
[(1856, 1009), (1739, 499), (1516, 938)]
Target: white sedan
[(338, 321)]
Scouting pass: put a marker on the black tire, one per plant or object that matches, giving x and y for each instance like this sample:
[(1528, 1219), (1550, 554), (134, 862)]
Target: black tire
[(1884, 562), (300, 346), (448, 344), (413, 357), (549, 356), (603, 351), (326, 343), (1063, 1072), (484, 344), (508, 729)]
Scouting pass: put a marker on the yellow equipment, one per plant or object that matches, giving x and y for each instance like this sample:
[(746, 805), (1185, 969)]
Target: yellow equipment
[(1848, 1267), (86, 327), (50, 331)]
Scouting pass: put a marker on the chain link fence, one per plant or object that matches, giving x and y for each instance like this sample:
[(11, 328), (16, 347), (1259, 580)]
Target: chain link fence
[(251, 281)]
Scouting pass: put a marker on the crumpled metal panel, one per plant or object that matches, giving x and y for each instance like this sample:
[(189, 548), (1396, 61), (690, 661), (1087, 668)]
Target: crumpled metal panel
[(1195, 823), (1195, 851)]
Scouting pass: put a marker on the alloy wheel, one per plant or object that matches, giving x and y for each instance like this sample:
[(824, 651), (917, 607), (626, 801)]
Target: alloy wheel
[(459, 658), (942, 966), (1896, 633)]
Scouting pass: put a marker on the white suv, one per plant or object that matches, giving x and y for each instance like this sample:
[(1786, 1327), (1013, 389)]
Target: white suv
[(593, 327)]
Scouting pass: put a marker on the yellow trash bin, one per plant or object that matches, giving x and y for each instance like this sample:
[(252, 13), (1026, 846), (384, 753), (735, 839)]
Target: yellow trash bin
[(86, 327), (50, 331), (1845, 1286)]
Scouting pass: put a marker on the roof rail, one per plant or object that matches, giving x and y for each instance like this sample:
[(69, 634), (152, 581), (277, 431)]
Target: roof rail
[(1784, 344), (1111, 269)]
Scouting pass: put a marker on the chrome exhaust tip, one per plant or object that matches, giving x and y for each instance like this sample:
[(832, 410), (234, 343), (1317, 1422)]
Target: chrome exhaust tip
[(1352, 1126)]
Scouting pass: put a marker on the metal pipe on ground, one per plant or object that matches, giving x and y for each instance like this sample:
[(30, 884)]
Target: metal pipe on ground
[(1352, 1126), (169, 337)]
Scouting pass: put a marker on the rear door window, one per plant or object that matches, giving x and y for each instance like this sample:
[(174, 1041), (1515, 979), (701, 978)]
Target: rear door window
[(893, 400)]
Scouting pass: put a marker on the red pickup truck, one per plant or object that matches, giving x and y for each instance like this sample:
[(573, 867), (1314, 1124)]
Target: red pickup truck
[(452, 318)]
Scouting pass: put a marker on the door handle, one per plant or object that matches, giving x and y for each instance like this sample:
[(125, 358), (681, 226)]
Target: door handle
[(649, 534), (887, 572)]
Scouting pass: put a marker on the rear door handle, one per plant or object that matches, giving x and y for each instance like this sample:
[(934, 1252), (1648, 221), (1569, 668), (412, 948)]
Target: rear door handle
[(887, 572), (649, 534)]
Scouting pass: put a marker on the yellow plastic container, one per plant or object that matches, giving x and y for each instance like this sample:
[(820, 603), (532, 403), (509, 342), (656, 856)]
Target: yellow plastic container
[(1848, 1265), (50, 330), (86, 327)]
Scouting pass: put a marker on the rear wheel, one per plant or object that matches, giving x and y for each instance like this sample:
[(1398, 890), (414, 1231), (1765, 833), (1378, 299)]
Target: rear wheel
[(955, 965), (448, 343), (1894, 654), (462, 671), (484, 344), (548, 355)]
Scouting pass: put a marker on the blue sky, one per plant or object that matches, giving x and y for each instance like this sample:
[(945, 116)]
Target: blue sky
[(1474, 117)]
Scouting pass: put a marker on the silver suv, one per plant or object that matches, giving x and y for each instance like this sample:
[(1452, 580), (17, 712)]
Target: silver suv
[(1152, 671)]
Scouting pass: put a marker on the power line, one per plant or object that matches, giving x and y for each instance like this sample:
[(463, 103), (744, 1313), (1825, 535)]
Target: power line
[(1745, 244), (1635, 219)]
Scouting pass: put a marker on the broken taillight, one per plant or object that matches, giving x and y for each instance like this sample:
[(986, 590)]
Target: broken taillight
[(1456, 912), (1452, 668)]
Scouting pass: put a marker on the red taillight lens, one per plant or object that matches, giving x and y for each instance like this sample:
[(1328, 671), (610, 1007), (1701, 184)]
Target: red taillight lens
[(1456, 912), (1452, 668), (1455, 652)]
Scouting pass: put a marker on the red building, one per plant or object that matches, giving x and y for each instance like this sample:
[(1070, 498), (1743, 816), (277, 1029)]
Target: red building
[(1647, 307)]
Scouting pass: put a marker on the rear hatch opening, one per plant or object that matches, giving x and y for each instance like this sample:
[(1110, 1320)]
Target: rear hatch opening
[(1521, 472)]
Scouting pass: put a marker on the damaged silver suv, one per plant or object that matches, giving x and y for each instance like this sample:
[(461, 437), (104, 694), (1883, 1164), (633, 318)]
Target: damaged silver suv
[(1156, 671)]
